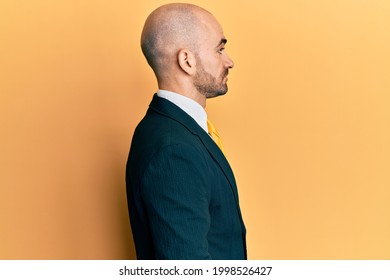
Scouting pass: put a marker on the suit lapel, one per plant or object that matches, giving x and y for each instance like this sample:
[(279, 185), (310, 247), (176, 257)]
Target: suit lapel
[(170, 110)]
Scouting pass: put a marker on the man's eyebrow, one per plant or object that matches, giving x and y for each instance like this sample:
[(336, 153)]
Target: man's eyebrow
[(223, 41)]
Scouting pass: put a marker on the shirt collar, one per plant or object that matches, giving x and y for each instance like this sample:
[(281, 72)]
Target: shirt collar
[(191, 107)]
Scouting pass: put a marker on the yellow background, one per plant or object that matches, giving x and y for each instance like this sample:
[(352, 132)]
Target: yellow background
[(305, 123)]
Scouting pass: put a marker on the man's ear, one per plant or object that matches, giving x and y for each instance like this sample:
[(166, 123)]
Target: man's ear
[(187, 62)]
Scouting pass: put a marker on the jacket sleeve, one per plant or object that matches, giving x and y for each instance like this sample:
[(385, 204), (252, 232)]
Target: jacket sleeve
[(176, 193)]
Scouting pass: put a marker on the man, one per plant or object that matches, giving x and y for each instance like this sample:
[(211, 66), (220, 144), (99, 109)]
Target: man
[(182, 195)]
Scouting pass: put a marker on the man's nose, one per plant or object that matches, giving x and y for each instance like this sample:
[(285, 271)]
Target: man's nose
[(229, 62)]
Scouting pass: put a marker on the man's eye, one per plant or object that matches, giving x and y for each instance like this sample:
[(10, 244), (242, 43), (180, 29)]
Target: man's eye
[(221, 50)]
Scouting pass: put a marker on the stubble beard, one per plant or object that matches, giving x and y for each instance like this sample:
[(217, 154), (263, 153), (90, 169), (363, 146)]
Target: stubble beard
[(208, 85)]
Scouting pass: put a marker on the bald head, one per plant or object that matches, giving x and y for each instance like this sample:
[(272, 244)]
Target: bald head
[(168, 29), (185, 46)]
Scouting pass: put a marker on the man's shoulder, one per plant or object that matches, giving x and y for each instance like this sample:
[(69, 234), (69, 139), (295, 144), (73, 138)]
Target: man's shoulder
[(159, 136), (160, 125), (155, 132)]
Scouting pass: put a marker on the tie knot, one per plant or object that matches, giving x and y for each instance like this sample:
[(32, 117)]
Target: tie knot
[(211, 128), (214, 134)]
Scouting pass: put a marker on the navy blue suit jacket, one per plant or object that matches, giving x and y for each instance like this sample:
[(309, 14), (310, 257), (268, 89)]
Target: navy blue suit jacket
[(182, 195)]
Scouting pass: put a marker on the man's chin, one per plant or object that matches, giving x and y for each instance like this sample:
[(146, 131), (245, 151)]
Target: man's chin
[(216, 94)]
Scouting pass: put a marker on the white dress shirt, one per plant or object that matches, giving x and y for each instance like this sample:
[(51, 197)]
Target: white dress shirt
[(191, 107)]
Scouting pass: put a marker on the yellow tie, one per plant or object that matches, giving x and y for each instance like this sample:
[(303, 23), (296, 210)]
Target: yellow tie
[(214, 134)]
